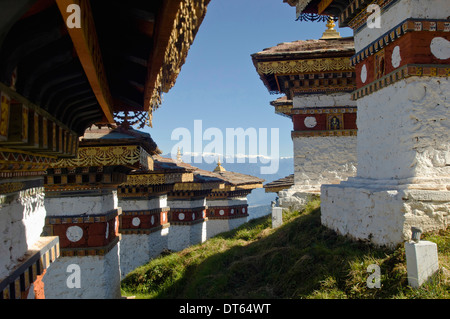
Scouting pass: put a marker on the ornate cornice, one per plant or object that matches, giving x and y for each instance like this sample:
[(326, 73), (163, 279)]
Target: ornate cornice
[(305, 66), (158, 179), (131, 155), (324, 110)]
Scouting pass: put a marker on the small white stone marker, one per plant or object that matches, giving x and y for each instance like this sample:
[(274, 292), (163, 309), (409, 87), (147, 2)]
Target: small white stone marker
[(421, 259), (277, 216)]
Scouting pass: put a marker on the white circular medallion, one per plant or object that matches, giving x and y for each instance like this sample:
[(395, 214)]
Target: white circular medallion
[(440, 47), (152, 220), (364, 74), (222, 212), (243, 210), (136, 221), (181, 216), (396, 57), (74, 233), (232, 211), (310, 121), (107, 231), (193, 216)]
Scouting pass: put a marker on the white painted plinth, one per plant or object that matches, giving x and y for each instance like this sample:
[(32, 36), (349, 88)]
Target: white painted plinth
[(137, 250), (183, 236), (217, 226), (100, 277), (277, 217), (383, 214), (421, 262)]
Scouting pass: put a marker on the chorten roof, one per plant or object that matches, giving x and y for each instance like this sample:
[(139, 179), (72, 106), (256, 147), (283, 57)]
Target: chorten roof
[(111, 136), (308, 49), (279, 184), (307, 66)]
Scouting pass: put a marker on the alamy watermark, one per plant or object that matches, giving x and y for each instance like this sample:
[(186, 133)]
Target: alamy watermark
[(235, 145), (374, 279), (374, 19), (74, 279)]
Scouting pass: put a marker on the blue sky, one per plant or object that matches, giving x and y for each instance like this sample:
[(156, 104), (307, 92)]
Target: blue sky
[(219, 85)]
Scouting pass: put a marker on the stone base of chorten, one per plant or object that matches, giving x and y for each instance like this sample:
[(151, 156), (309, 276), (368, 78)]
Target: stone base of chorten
[(296, 197), (182, 236), (84, 277), (383, 213)]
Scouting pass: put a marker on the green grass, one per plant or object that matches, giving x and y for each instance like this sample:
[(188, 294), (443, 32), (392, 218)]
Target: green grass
[(301, 259)]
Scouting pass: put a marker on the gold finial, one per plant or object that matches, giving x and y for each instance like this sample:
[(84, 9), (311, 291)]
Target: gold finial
[(219, 167), (179, 160), (330, 33)]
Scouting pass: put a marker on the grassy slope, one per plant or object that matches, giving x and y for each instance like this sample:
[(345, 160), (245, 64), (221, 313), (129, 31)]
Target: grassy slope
[(301, 259)]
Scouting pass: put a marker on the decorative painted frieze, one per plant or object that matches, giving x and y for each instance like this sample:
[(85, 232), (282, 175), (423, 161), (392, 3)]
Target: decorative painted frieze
[(227, 212), (85, 235), (332, 121), (304, 66), (143, 221), (422, 31), (187, 216), (127, 155), (16, 163), (413, 48)]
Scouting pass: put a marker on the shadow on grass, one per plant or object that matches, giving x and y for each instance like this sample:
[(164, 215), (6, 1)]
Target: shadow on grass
[(301, 259)]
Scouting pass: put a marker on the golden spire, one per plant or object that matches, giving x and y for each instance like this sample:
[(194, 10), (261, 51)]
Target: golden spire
[(219, 167), (330, 33), (179, 160)]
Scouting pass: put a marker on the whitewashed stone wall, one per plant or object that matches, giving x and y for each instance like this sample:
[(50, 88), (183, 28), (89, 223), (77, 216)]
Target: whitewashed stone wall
[(323, 100), (139, 204), (179, 203), (91, 205), (403, 169), (183, 236), (99, 277), (227, 202), (22, 218), (319, 160), (137, 250), (404, 130)]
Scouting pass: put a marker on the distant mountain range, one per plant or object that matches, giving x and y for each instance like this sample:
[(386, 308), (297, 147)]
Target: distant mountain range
[(258, 196)]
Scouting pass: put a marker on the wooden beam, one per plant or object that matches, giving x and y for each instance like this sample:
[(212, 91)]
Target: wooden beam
[(87, 48), (323, 5), (164, 26)]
